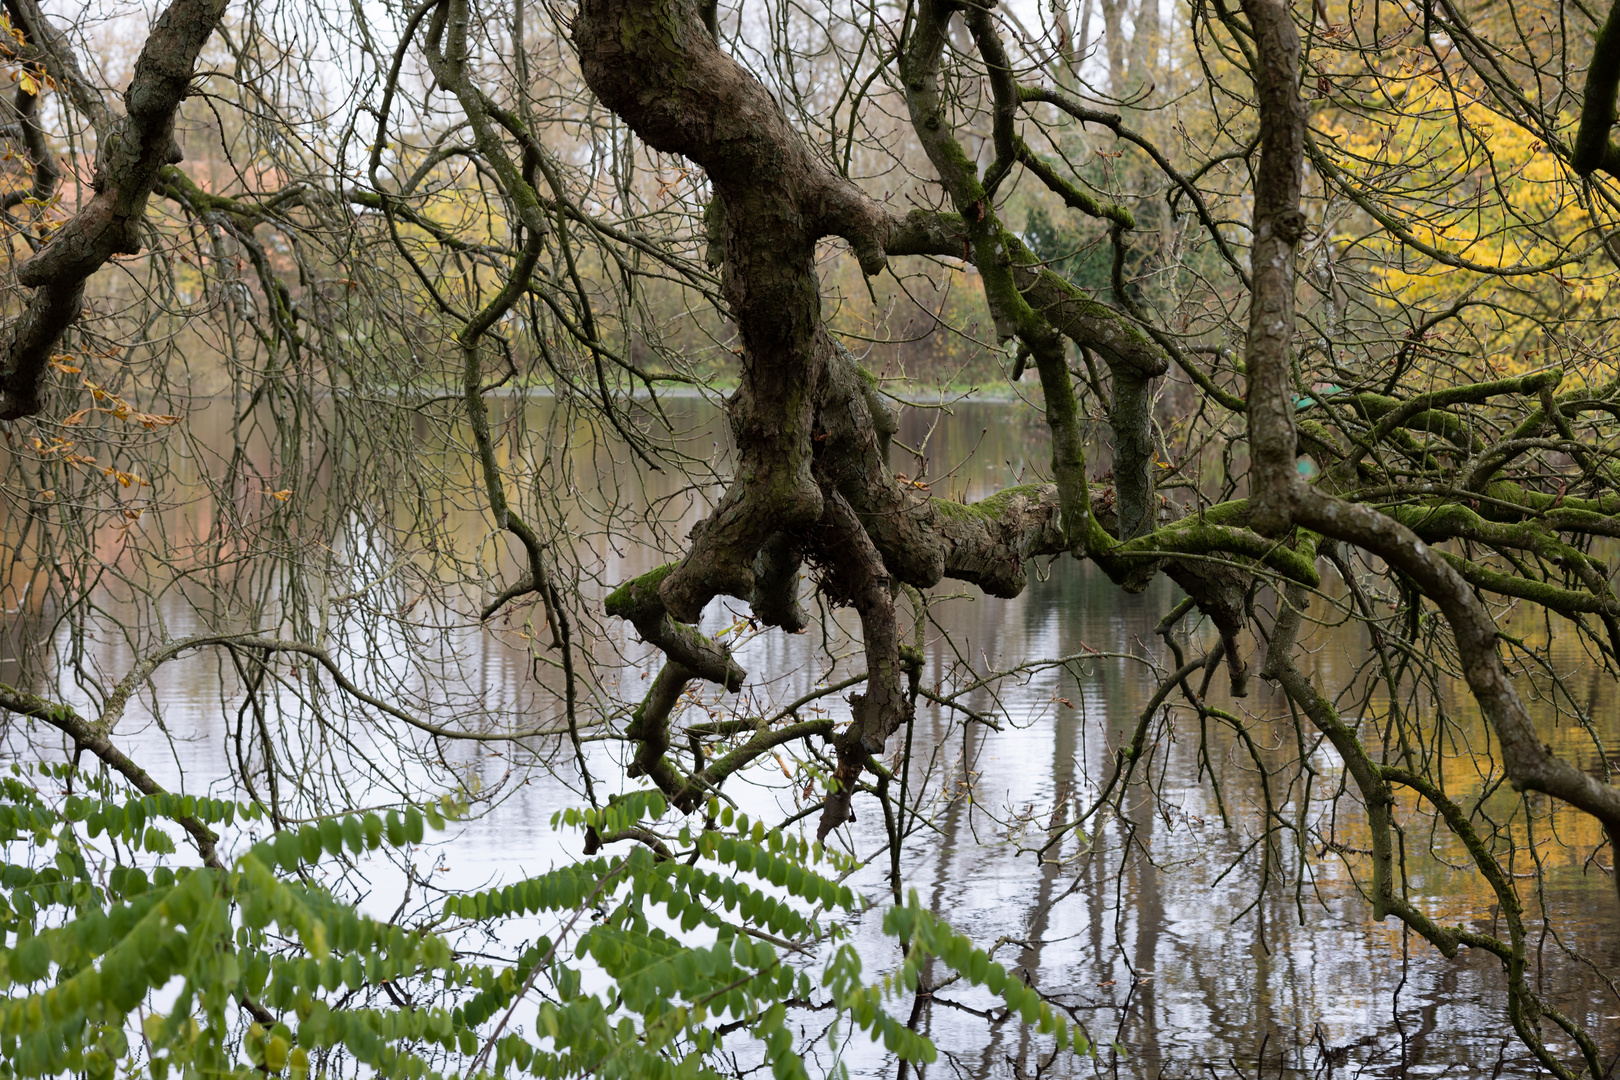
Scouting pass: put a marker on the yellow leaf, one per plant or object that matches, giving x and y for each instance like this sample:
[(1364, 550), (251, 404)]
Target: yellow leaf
[(76, 418), (284, 494), (28, 84)]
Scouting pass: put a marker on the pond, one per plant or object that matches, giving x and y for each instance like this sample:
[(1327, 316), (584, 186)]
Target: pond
[(1150, 920)]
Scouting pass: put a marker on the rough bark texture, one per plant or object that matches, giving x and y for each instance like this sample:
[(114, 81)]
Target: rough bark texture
[(811, 471), (658, 67), (1594, 143), (1278, 227), (813, 486), (133, 149)]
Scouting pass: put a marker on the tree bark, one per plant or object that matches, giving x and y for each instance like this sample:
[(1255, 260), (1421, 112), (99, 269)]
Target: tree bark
[(1279, 499), (132, 151)]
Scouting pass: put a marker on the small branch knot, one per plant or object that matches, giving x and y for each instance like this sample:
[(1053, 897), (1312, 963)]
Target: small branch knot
[(1290, 226)]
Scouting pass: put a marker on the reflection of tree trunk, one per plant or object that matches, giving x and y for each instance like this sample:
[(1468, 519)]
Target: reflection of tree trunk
[(1063, 751), (1428, 1011), (950, 830), (1262, 960), (1148, 904)]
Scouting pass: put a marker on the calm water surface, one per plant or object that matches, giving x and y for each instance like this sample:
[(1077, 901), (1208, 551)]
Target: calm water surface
[(1151, 924)]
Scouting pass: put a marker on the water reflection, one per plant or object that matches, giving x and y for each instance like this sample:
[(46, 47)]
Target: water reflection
[(1150, 922), (1140, 931)]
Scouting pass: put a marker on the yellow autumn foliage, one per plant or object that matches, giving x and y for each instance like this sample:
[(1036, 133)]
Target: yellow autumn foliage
[(1464, 190)]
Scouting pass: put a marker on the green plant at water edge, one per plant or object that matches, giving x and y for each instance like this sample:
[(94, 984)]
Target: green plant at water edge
[(703, 940)]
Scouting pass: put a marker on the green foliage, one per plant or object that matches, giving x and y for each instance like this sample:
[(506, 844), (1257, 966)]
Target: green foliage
[(180, 971)]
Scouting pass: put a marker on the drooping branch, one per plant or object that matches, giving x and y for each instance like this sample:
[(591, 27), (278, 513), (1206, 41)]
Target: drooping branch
[(649, 728), (1529, 761), (812, 480), (655, 63), (861, 578), (1375, 782), (94, 737), (640, 603)]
